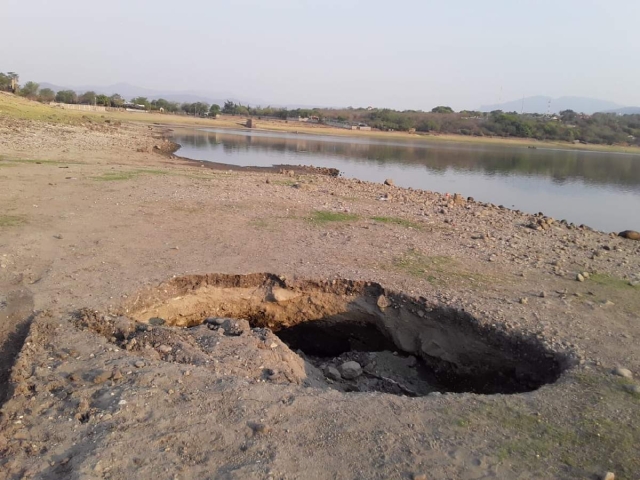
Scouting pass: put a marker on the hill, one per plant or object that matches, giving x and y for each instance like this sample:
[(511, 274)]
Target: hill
[(540, 104)]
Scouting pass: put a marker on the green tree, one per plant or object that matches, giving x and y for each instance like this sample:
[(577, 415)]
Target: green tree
[(103, 100), (66, 96), (46, 95), (214, 110), (116, 100), (229, 108), (442, 109), (30, 90), (88, 98), (5, 81), (144, 101)]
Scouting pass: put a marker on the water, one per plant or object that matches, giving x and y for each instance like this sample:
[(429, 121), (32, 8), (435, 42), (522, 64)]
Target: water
[(601, 190)]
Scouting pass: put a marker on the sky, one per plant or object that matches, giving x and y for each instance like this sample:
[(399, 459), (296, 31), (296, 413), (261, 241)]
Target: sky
[(404, 54)]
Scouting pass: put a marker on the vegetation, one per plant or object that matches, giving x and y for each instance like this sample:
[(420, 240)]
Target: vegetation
[(11, 220), (567, 126), (403, 222), (321, 217)]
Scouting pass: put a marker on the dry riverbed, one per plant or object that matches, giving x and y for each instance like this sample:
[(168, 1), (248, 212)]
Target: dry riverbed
[(162, 319)]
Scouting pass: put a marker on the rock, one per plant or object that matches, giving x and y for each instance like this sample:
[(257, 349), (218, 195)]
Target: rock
[(622, 372), (633, 389), (524, 300), (630, 234), (116, 374), (390, 182), (164, 349), (139, 364), (419, 477), (333, 373), (214, 321), (235, 328), (382, 302), (350, 370), (609, 476), (585, 274), (59, 237), (543, 294), (101, 377), (458, 199), (157, 321), (580, 277)]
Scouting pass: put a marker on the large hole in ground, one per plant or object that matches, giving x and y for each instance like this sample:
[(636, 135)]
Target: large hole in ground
[(400, 344)]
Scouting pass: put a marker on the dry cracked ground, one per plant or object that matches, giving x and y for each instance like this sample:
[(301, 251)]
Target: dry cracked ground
[(161, 319)]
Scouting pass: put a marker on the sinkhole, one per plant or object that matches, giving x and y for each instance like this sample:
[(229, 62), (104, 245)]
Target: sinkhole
[(354, 336)]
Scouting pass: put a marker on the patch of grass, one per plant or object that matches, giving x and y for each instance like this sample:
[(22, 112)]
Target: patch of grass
[(599, 429), (286, 183), (12, 220), (127, 175), (403, 222), (321, 217), (609, 281), (437, 270)]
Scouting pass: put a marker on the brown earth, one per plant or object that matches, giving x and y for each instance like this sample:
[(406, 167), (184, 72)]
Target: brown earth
[(100, 233)]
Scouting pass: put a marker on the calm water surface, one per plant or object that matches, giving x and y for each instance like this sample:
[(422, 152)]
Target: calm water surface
[(601, 190)]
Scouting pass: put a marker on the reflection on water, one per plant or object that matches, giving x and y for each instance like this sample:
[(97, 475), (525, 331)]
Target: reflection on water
[(598, 189)]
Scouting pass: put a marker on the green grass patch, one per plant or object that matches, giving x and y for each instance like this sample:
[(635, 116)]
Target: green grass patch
[(12, 220), (322, 217), (609, 281), (127, 175), (403, 222), (437, 270)]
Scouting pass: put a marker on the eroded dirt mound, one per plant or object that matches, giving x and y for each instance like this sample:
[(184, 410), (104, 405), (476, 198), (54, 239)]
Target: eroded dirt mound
[(355, 336)]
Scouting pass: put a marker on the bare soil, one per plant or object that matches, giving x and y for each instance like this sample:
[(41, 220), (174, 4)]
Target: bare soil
[(140, 336)]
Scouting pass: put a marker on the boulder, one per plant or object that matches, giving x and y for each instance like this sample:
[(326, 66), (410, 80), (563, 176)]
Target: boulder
[(350, 370), (630, 234)]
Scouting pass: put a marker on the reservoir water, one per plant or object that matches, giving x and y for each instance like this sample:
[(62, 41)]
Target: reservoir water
[(598, 189)]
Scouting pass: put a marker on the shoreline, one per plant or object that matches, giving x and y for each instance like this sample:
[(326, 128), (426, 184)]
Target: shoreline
[(100, 230)]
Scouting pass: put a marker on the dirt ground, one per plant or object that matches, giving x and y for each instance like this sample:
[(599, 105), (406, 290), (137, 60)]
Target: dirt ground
[(100, 233)]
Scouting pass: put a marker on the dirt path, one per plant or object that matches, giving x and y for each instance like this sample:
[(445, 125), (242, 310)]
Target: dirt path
[(92, 218)]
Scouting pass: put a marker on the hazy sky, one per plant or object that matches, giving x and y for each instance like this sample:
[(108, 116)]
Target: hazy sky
[(400, 54)]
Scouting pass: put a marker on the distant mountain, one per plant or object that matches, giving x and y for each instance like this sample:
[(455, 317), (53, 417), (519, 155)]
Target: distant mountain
[(625, 111), (128, 92), (540, 104)]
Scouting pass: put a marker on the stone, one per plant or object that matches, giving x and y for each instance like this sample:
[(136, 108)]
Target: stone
[(543, 294), (580, 277), (524, 300), (382, 302), (164, 349), (282, 294), (630, 234), (214, 321), (157, 321), (101, 377), (622, 372), (350, 370), (419, 477), (139, 364), (585, 274), (116, 374), (633, 389), (390, 182), (609, 476), (332, 373), (458, 199)]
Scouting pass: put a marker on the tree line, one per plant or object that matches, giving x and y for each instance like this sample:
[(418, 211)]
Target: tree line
[(569, 126)]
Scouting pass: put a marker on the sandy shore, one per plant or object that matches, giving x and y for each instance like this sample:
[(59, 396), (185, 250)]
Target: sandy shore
[(100, 232)]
